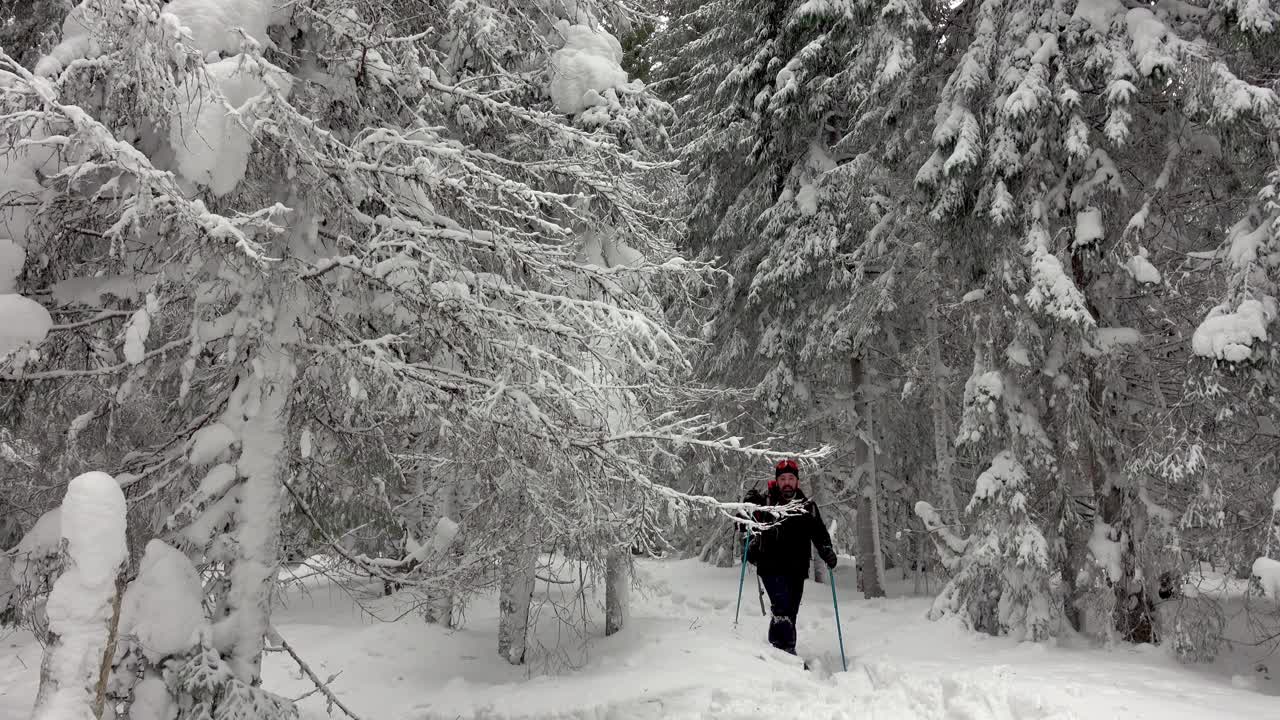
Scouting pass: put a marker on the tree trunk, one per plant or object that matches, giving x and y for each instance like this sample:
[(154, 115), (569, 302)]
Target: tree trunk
[(515, 597), (870, 560), (263, 462), (109, 652), (617, 592), (942, 433), (1078, 473), (440, 606)]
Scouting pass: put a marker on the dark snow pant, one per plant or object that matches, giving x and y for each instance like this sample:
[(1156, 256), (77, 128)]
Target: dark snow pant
[(784, 599)]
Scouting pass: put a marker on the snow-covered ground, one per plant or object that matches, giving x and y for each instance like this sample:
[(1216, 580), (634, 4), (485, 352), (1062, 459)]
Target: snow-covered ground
[(681, 657)]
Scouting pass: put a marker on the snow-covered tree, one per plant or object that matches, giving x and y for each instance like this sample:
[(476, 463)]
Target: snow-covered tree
[(343, 258), (1000, 581), (792, 210), (1080, 184), (84, 605), (1078, 188)]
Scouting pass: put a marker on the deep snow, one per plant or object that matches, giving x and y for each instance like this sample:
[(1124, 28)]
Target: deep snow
[(681, 657)]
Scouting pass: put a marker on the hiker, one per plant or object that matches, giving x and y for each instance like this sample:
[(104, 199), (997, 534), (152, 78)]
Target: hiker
[(781, 553)]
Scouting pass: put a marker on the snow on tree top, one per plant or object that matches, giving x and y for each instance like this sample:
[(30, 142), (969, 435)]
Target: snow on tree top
[(589, 64), (1005, 473), (1152, 43), (1258, 16), (93, 524), (1098, 13)]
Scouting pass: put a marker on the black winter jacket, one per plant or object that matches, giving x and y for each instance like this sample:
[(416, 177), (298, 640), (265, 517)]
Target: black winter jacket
[(784, 548)]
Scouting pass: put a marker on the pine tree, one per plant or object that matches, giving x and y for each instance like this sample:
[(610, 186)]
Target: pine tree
[(339, 255), (1082, 187), (798, 219)]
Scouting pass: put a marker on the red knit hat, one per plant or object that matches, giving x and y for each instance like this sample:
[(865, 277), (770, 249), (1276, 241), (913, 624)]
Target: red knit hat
[(784, 466)]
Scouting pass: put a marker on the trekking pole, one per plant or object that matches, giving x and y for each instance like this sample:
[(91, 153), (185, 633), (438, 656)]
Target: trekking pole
[(760, 589), (831, 579), (742, 577)]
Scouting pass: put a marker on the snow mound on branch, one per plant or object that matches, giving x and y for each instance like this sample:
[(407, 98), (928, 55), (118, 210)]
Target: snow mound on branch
[(1149, 37), (1088, 226), (1141, 268), (213, 24), (162, 607), (43, 537), (589, 64), (1106, 552), (1005, 473), (22, 322), (1268, 573), (135, 336), (1229, 335), (446, 531), (41, 541), (1245, 243), (1098, 13), (79, 607), (1107, 340), (606, 250), (210, 136), (76, 43), (216, 482), (1052, 291), (152, 700), (92, 290), (209, 443)]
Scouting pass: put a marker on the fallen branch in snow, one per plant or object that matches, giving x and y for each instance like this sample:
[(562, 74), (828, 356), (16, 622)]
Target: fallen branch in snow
[(321, 686)]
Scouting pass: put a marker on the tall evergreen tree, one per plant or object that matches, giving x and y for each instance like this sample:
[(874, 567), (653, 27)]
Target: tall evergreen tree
[(1083, 184), (347, 250)]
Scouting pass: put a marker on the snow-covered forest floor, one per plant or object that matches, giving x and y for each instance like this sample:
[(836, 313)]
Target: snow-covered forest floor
[(681, 657)]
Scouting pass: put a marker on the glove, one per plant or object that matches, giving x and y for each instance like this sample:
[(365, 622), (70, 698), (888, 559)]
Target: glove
[(829, 557), (753, 550)]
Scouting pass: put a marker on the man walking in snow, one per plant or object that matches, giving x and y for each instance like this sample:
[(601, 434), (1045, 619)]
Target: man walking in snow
[(781, 553)]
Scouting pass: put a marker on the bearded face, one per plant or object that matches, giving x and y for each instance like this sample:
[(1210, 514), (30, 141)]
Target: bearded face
[(788, 484)]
